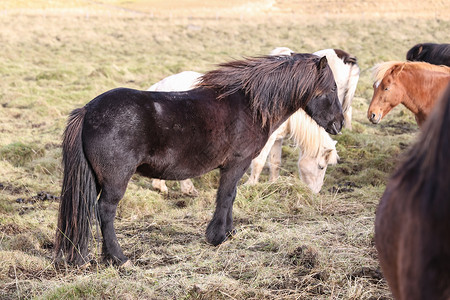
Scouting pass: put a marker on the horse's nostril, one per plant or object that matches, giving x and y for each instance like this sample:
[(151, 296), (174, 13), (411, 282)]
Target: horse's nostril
[(372, 116)]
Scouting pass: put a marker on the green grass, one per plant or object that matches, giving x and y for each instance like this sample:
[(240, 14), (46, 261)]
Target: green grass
[(290, 243)]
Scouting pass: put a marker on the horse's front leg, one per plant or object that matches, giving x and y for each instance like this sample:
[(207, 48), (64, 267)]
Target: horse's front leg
[(257, 164), (221, 225)]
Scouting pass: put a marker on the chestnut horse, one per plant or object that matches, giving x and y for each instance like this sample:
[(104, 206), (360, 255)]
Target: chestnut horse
[(223, 124), (412, 225), (417, 85), (436, 54)]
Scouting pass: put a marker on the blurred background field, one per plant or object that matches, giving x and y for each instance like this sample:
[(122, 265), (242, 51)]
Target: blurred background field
[(58, 55)]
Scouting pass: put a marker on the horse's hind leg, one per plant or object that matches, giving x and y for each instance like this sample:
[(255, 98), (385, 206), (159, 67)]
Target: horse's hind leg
[(107, 205), (160, 185), (348, 118), (221, 225), (275, 160), (187, 187)]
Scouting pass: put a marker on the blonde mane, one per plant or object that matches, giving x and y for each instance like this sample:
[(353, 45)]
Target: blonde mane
[(310, 137), (380, 70)]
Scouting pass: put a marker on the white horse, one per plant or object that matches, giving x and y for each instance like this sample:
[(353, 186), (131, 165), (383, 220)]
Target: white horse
[(346, 74), (317, 149)]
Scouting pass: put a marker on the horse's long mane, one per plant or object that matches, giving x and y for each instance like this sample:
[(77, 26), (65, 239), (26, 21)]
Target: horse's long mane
[(379, 71), (310, 137), (270, 82)]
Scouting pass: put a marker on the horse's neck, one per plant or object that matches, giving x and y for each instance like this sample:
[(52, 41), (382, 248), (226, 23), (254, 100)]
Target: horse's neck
[(419, 99)]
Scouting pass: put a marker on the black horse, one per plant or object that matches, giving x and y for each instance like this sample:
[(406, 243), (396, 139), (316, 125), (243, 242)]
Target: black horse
[(223, 123), (436, 54)]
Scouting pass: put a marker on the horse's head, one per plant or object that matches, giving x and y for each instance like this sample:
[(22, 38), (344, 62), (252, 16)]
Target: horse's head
[(387, 94), (417, 52), (324, 107), (312, 169)]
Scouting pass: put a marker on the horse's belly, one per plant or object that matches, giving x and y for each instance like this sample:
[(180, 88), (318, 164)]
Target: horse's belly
[(173, 172)]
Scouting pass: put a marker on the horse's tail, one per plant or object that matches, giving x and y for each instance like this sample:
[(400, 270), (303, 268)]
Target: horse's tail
[(78, 195)]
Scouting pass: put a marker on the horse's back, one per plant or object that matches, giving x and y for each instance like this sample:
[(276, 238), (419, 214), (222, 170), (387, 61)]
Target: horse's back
[(438, 54), (156, 132)]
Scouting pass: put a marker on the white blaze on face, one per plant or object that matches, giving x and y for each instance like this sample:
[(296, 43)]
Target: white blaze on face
[(158, 108)]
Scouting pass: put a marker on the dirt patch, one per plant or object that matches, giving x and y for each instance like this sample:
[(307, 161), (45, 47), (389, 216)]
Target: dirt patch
[(23, 273), (41, 196), (309, 286), (10, 229), (349, 169), (304, 256), (344, 187), (11, 189), (398, 127), (372, 274)]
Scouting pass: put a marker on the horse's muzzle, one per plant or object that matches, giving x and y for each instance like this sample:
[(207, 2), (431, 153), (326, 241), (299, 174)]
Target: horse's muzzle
[(374, 118), (335, 128)]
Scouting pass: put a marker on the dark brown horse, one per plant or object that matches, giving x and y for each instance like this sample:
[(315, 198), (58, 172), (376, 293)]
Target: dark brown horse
[(412, 227), (436, 54), (417, 85), (223, 123)]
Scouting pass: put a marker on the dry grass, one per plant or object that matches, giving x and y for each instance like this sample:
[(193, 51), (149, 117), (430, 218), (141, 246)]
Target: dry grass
[(290, 243)]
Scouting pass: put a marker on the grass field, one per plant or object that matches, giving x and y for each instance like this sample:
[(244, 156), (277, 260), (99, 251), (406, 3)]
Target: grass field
[(291, 244)]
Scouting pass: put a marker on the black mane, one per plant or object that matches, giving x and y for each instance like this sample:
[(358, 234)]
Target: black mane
[(437, 54), (271, 82)]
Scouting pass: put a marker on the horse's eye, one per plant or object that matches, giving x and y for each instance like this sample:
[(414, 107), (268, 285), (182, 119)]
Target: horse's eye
[(321, 167), (386, 88)]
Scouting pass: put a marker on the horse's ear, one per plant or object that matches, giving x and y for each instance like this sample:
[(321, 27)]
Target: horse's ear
[(329, 158), (420, 49), (323, 62)]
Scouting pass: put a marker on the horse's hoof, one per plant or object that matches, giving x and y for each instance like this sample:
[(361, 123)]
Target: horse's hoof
[(126, 265), (231, 233), (85, 266), (216, 240), (221, 238)]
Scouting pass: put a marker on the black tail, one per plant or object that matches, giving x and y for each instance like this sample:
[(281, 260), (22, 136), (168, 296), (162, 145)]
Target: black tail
[(78, 195)]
